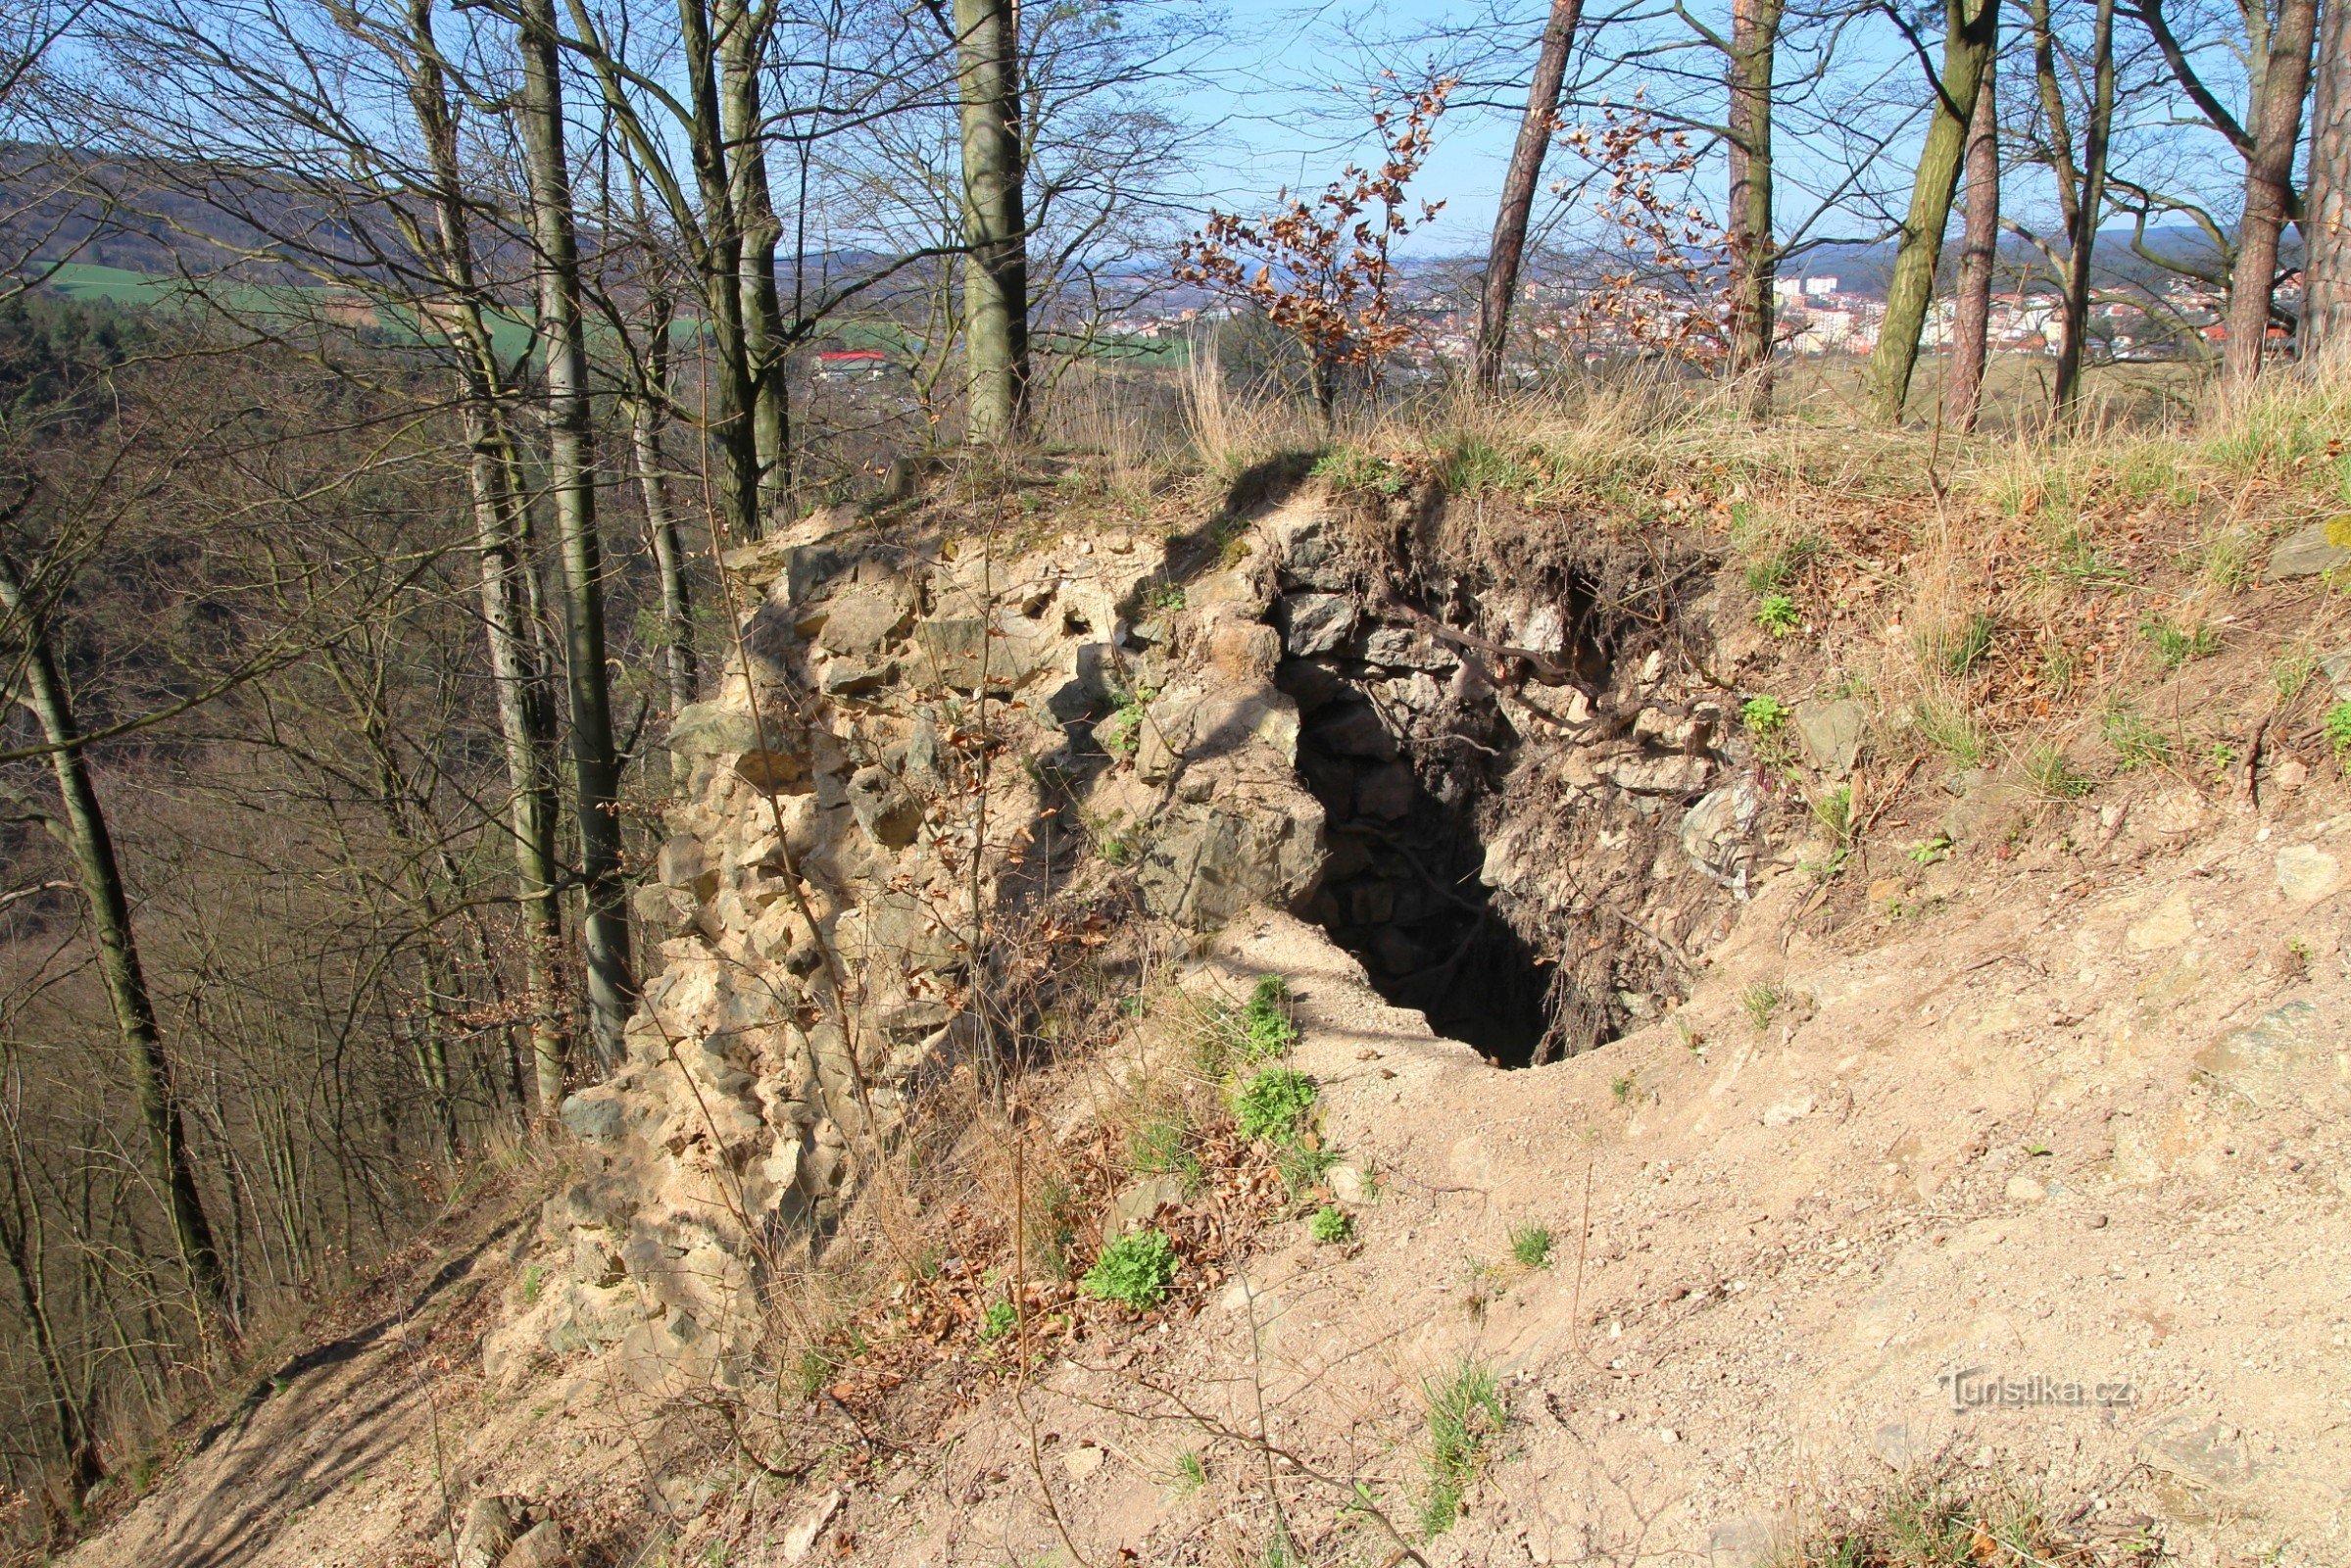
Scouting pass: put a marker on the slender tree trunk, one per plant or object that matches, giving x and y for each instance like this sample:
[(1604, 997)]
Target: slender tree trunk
[(1972, 30), (996, 265), (1754, 257), (1507, 250), (2326, 207), (2082, 229), (596, 764), (1978, 259), (23, 1239), (660, 527), (2269, 188), (720, 261), (526, 714), (740, 49), (85, 833)]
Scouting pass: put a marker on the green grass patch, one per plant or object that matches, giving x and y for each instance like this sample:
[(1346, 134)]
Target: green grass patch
[(1531, 1245), (1466, 1418), (2176, 644), (1272, 1102), (1330, 1224)]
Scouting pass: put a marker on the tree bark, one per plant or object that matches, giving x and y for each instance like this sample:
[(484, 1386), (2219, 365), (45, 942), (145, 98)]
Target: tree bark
[(500, 530), (1506, 251), (1754, 257), (2081, 188), (995, 267), (660, 527), (596, 764), (741, 40), (2276, 129), (1971, 31), (2326, 207), (23, 1239), (1978, 259), (87, 836)]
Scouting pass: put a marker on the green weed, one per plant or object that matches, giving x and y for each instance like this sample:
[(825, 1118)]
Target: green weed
[(1777, 614), (1958, 650), (2292, 672), (2136, 743), (1759, 1002), (1001, 1319), (1951, 730), (1531, 1245), (2175, 643), (1352, 468), (1271, 1104), (2337, 727), (1475, 465), (2052, 777), (1330, 1224), (1134, 1270), (1190, 1471), (1466, 1419), (1267, 1029), (1763, 716)]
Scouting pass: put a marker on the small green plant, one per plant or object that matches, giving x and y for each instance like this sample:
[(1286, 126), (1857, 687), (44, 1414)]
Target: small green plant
[(1620, 1088), (2292, 672), (1763, 716), (1136, 1270), (1330, 1224), (534, 1279), (2052, 777), (1931, 850), (1001, 1319), (1531, 1245), (1121, 734), (1352, 468), (1475, 465), (1191, 1472), (1759, 1002), (1158, 1145), (2136, 743), (1834, 812), (2337, 728), (1951, 730), (1777, 614), (1165, 596), (2175, 643), (1267, 1029), (2060, 667), (1271, 1104), (1466, 1418), (1958, 650)]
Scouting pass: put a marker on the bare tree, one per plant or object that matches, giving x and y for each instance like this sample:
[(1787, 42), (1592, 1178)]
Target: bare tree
[(1970, 34), (996, 280), (1978, 259), (2327, 219), (1506, 251)]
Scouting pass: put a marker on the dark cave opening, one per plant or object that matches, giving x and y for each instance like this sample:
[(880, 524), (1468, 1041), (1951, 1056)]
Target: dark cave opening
[(1402, 889)]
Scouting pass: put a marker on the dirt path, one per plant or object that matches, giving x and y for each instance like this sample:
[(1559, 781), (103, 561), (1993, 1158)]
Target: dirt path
[(353, 1418)]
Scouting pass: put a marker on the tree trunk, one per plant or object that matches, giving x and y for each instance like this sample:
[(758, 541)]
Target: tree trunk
[(2327, 207), (85, 834), (741, 39), (1754, 258), (23, 1238), (501, 527), (596, 765), (1508, 247), (996, 267), (2081, 183), (1978, 260), (1972, 29), (2276, 128), (660, 527)]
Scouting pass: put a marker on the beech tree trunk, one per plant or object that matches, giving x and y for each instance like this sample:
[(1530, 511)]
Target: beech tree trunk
[(1507, 250), (741, 40), (1754, 256), (2327, 207), (996, 267), (596, 763), (87, 837), (1970, 33), (2276, 128), (1978, 260), (501, 531)]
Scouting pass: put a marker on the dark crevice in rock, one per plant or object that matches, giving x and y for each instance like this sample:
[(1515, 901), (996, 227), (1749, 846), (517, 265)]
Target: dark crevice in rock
[(1401, 887)]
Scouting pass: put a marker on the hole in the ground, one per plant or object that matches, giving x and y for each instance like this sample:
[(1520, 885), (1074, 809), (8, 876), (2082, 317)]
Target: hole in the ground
[(1402, 889)]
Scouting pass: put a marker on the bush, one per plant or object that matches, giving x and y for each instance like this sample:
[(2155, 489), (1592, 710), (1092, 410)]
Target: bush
[(1136, 1271), (1330, 1224), (1270, 1105)]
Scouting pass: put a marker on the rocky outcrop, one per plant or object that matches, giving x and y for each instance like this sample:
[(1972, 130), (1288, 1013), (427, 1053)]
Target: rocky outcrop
[(897, 709)]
